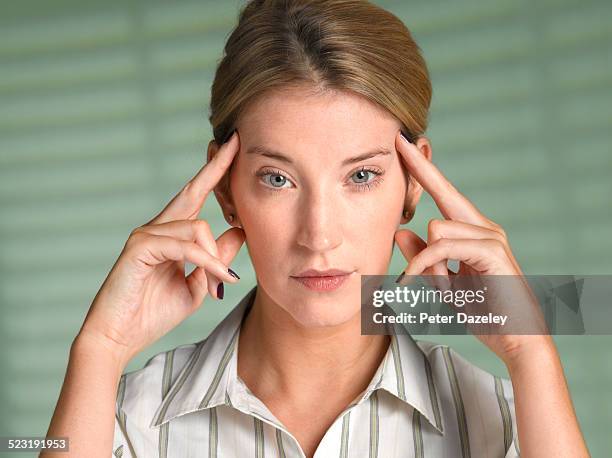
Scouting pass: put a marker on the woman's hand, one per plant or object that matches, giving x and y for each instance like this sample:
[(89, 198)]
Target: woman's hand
[(146, 293), (479, 244)]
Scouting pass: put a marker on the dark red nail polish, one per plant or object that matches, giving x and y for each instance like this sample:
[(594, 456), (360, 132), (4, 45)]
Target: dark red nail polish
[(405, 137), (233, 274), (220, 291), (229, 136)]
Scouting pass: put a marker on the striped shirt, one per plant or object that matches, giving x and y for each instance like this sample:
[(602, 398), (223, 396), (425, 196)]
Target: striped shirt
[(425, 400)]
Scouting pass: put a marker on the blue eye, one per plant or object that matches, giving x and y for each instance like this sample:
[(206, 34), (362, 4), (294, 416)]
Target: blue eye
[(278, 180), (274, 178), (362, 174)]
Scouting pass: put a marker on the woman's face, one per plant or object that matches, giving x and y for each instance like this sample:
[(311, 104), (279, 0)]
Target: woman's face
[(317, 207)]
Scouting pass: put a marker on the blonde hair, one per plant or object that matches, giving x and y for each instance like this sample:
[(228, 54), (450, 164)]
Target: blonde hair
[(349, 45)]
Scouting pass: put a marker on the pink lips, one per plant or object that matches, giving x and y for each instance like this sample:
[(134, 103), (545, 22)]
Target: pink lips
[(331, 281)]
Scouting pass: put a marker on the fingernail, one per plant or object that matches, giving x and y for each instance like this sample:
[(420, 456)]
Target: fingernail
[(233, 274), (404, 137), (399, 279), (220, 291), (229, 137)]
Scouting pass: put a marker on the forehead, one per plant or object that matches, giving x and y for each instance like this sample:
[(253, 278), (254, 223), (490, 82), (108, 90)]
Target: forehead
[(301, 115)]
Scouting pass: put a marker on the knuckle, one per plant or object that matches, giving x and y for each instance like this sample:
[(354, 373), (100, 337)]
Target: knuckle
[(447, 243), (443, 245), (188, 188), (502, 232), (137, 230), (434, 226), (201, 225), (136, 238), (497, 227), (497, 247), (187, 248)]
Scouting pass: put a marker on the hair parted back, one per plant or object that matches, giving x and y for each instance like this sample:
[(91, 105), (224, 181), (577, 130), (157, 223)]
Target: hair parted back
[(347, 45)]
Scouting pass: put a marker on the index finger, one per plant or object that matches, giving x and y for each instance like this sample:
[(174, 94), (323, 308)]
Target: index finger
[(189, 201), (452, 204)]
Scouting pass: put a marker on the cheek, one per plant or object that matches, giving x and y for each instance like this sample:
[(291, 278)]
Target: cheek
[(265, 217), (268, 247), (380, 214), (268, 230)]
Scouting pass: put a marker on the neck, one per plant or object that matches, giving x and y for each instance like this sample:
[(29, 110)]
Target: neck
[(277, 356)]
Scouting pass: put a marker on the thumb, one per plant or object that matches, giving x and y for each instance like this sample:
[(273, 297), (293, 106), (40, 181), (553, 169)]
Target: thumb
[(229, 244), (409, 243), (226, 247)]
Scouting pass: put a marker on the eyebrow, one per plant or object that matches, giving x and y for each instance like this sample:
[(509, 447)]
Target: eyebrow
[(267, 152)]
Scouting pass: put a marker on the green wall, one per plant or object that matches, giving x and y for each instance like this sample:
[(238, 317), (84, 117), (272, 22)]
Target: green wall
[(103, 117)]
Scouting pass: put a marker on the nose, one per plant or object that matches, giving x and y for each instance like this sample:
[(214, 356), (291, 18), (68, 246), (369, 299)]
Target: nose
[(320, 228)]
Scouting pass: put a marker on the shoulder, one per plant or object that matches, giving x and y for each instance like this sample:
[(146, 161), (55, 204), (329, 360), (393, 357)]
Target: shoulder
[(140, 391), (484, 400), (455, 364), (139, 394)]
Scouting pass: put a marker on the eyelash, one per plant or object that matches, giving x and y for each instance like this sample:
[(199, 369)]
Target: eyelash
[(360, 187)]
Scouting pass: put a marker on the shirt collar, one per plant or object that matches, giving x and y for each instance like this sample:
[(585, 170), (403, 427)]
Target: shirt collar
[(407, 375), (209, 377), (203, 381)]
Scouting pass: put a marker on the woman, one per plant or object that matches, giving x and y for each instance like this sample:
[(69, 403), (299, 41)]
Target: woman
[(311, 170)]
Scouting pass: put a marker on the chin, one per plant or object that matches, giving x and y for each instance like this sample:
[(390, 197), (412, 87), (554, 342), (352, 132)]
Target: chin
[(313, 312), (319, 317)]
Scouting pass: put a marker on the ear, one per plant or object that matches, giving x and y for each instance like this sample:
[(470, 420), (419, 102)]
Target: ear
[(414, 189), (222, 190)]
